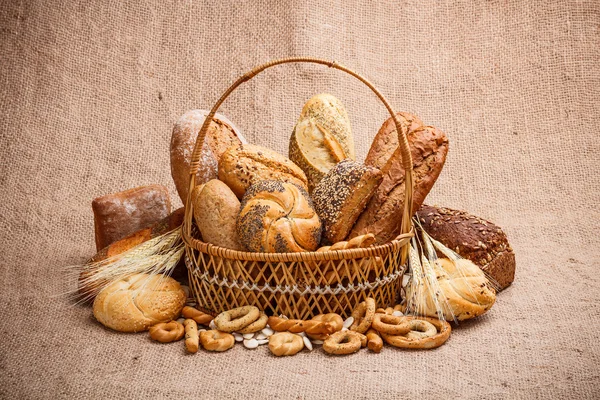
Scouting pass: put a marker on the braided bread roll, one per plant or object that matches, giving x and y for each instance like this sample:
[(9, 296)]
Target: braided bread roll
[(312, 327)]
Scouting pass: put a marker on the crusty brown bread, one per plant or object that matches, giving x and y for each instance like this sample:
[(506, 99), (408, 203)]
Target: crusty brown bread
[(118, 215), (215, 211), (383, 214), (473, 238), (342, 195), (135, 303), (241, 166), (221, 135), (386, 140), (278, 217), (321, 138)]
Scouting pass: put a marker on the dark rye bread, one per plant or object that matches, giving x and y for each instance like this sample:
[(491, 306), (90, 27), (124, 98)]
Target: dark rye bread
[(473, 238), (383, 214), (342, 195)]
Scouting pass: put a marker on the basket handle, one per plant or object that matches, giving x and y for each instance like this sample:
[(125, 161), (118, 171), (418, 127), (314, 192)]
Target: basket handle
[(403, 142)]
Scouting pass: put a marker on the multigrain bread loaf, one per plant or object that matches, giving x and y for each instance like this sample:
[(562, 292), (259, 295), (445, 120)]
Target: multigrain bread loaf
[(215, 211), (473, 238), (118, 215), (342, 195), (221, 135), (135, 303), (241, 166), (383, 214), (321, 138), (278, 217)]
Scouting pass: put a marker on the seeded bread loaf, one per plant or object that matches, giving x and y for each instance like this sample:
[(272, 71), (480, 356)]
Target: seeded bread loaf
[(241, 166), (220, 136), (215, 211), (342, 195), (321, 138), (383, 214), (476, 239), (278, 217)]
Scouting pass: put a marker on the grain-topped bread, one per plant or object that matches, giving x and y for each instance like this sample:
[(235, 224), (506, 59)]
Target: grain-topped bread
[(473, 238), (216, 209), (278, 217), (321, 138), (342, 195), (383, 214), (220, 136), (243, 165)]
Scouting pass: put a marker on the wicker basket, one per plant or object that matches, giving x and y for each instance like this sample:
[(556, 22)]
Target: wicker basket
[(298, 285)]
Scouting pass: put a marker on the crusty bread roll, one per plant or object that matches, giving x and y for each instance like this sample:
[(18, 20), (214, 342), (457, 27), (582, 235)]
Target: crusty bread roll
[(321, 138), (243, 165), (136, 303), (464, 291), (221, 135), (342, 195), (278, 217), (118, 215), (473, 238), (383, 214), (215, 211)]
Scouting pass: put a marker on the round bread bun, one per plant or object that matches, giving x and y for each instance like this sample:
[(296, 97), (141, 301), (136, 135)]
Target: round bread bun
[(135, 303)]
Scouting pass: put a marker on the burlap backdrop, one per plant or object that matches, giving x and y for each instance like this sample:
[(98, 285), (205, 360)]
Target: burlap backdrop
[(89, 93)]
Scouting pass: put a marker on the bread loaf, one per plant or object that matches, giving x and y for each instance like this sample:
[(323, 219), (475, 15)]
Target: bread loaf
[(383, 214), (243, 165), (473, 238), (321, 138), (135, 303), (221, 135), (278, 217), (342, 195), (215, 211), (163, 226), (118, 215), (386, 140)]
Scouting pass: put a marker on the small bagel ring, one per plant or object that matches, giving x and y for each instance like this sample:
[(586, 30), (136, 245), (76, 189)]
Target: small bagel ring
[(285, 344), (336, 321), (214, 340), (363, 316), (257, 325), (443, 333), (344, 342), (167, 332), (391, 324), (236, 319)]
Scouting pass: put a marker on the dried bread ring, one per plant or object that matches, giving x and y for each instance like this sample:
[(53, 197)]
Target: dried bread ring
[(344, 342), (167, 332), (443, 333), (257, 325), (214, 340), (236, 319), (285, 344), (363, 316), (420, 329), (390, 324), (336, 321), (200, 317)]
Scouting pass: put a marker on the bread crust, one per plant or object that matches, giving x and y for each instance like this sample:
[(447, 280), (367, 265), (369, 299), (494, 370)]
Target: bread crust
[(383, 214), (473, 238)]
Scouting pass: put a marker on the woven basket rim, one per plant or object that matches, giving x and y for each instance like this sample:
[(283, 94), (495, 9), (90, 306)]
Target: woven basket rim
[(307, 256)]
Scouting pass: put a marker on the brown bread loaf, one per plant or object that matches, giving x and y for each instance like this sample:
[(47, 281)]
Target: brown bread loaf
[(342, 195), (118, 215), (241, 166), (473, 238), (321, 138), (278, 217), (215, 211), (221, 135), (383, 214)]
